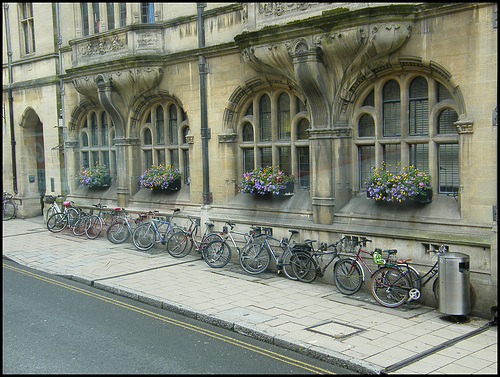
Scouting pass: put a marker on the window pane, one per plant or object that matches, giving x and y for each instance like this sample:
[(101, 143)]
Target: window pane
[(110, 7), (265, 118), (174, 158), (446, 122), (443, 93), (93, 130), (147, 13), (148, 159), (247, 132), (366, 163), (448, 168), (392, 157), (97, 20), (284, 117), (302, 128), (366, 126), (105, 158), (419, 107), (392, 109), (187, 176), (185, 132), (172, 124), (95, 158), (370, 99), (104, 129), (303, 168), (148, 140), (85, 139), (266, 157), (285, 160), (123, 14), (85, 19), (248, 161), (419, 157), (160, 126), (85, 159), (160, 157)]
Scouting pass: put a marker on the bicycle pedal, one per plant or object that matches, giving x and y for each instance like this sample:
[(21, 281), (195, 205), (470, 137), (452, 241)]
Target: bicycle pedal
[(163, 242)]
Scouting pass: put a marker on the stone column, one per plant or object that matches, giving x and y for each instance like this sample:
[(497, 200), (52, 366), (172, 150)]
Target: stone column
[(465, 132)]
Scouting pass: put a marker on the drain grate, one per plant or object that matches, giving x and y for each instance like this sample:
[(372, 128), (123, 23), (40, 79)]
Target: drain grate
[(335, 330)]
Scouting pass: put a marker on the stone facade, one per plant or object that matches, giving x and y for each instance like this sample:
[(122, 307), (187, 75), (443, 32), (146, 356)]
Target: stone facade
[(319, 69)]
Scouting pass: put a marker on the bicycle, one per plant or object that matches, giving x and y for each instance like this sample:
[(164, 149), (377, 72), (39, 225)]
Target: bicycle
[(177, 242), (58, 221), (398, 282), (217, 253), (67, 206), (348, 272), (147, 234), (255, 257), (120, 230), (306, 265), (8, 207), (95, 223)]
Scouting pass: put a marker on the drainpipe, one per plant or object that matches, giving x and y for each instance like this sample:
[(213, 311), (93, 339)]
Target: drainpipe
[(63, 125), (205, 131), (11, 99)]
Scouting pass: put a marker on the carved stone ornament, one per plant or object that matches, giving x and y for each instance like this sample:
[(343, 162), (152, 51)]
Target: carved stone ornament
[(127, 83), (102, 46), (464, 125)]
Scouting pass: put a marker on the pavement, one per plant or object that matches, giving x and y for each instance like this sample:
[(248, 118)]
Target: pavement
[(314, 319)]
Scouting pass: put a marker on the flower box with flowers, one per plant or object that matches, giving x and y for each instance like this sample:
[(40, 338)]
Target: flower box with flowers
[(409, 184), (94, 177), (161, 178), (267, 181)]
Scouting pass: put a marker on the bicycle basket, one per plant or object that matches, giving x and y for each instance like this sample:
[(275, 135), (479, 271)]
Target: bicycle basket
[(348, 246), (49, 199)]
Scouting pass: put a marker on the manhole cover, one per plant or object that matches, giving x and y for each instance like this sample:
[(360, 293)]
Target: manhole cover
[(335, 329)]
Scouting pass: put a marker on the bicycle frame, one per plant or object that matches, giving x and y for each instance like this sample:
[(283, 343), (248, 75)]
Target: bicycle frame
[(359, 259), (283, 241), (248, 236)]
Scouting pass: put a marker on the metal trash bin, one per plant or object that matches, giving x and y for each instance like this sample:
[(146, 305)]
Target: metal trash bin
[(454, 284)]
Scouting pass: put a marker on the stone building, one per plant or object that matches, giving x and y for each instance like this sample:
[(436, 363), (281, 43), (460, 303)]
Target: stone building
[(325, 91)]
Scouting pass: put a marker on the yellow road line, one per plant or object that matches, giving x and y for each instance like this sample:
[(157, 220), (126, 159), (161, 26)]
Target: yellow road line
[(175, 322)]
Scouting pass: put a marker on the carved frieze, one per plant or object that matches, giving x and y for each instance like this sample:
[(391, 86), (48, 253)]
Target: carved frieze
[(103, 45)]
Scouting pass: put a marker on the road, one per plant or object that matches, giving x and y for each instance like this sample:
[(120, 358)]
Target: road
[(54, 325)]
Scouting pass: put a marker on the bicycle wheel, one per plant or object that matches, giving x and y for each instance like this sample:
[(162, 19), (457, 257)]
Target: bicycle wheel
[(412, 274), (390, 287), (80, 225), (118, 232), (254, 258), (348, 276), (144, 237), (94, 227), (285, 264), (217, 253), (73, 217), (57, 222), (435, 290), (304, 266), (50, 212), (179, 244), (9, 210)]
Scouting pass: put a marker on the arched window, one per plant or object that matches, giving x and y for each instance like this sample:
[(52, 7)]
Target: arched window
[(247, 132), (156, 149), (279, 148), (446, 122), (366, 126), (265, 118), (302, 128), (434, 152), (148, 139)]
